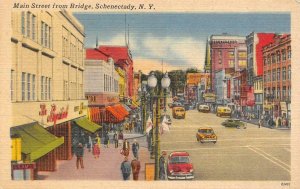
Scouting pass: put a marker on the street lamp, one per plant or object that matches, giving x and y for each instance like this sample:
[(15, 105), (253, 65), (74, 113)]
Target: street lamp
[(152, 83)]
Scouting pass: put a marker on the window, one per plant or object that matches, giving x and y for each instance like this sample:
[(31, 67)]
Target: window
[(28, 24), (265, 61), (23, 85), (278, 56), (231, 54), (242, 54), (12, 76), (278, 93), (269, 75), (46, 36), (274, 92), (33, 87), (33, 24), (274, 75), (269, 59), (283, 92), (283, 73), (273, 58), (46, 88), (42, 33), (278, 74), (251, 48), (28, 86), (289, 52), (42, 88), (283, 53), (265, 77), (23, 23), (242, 63), (289, 73), (66, 90), (49, 88)]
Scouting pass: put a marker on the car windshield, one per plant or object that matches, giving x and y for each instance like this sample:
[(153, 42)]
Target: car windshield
[(179, 159), (206, 131)]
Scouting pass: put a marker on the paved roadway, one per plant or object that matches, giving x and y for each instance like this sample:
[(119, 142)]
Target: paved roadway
[(254, 153)]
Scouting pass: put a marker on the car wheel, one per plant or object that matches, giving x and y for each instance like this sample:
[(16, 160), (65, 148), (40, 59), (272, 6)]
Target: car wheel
[(215, 142), (201, 141)]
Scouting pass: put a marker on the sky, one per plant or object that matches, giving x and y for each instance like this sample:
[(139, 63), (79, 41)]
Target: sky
[(176, 39)]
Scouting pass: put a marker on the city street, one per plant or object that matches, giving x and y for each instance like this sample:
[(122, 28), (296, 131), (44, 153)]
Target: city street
[(240, 154)]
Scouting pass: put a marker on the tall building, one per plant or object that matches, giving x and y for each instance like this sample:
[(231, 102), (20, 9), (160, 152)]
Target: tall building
[(46, 87), (277, 77), (255, 43), (123, 59), (226, 52)]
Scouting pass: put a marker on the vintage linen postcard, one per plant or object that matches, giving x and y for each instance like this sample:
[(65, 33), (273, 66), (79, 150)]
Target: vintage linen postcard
[(144, 94)]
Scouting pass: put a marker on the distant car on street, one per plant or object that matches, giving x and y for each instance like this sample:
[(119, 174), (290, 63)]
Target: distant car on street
[(178, 112), (234, 123), (223, 111), (206, 134), (203, 108), (179, 166)]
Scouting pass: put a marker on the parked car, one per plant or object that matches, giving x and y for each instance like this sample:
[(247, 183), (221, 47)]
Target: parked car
[(178, 112), (234, 123), (175, 104), (203, 108), (206, 134), (179, 166)]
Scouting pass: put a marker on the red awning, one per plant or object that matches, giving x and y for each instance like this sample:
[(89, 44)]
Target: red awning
[(121, 109), (115, 113)]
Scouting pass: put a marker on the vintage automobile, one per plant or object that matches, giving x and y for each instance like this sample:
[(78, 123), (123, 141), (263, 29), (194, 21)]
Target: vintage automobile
[(234, 123), (203, 108), (178, 112), (179, 166), (206, 134), (223, 111)]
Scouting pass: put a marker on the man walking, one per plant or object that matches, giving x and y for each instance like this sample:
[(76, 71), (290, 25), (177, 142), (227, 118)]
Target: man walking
[(136, 166), (116, 140), (162, 162), (126, 169), (79, 155), (135, 149)]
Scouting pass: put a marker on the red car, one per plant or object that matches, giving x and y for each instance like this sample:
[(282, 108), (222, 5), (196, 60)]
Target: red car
[(179, 166)]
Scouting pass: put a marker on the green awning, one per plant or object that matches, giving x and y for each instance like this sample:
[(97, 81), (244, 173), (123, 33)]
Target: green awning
[(35, 140), (87, 124)]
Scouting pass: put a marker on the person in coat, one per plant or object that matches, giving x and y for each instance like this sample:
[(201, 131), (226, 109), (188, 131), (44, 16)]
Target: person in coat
[(162, 165), (116, 140), (96, 150), (126, 169), (106, 140), (135, 166), (120, 138), (135, 149), (79, 155)]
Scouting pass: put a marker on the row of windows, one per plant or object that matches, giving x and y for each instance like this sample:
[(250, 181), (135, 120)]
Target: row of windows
[(70, 90), (29, 29), (110, 84), (277, 75), (278, 57), (72, 48), (278, 92)]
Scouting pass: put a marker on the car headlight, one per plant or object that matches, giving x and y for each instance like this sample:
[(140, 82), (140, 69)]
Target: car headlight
[(171, 171), (191, 170)]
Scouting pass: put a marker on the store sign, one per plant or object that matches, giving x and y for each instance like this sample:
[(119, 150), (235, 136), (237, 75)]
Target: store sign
[(283, 106), (149, 171), (23, 166), (54, 116)]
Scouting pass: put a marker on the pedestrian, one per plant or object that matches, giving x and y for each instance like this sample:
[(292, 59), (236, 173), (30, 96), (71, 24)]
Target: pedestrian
[(126, 169), (120, 138), (136, 166), (126, 148), (90, 143), (96, 150), (259, 123), (106, 139), (135, 149), (79, 155), (116, 140), (162, 165)]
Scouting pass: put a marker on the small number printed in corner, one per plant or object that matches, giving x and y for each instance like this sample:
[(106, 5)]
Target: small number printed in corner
[(285, 184)]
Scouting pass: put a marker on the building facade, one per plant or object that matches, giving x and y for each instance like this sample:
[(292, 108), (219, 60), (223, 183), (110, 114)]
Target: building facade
[(46, 84), (277, 77), (255, 43), (227, 53)]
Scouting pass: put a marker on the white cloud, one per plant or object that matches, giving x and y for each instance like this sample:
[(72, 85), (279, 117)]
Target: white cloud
[(189, 51), (119, 40)]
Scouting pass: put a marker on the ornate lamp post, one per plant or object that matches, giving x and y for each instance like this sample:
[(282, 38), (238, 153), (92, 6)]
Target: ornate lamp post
[(152, 83)]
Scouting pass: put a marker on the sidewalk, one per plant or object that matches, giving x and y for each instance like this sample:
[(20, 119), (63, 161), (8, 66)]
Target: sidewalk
[(255, 122), (107, 167)]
